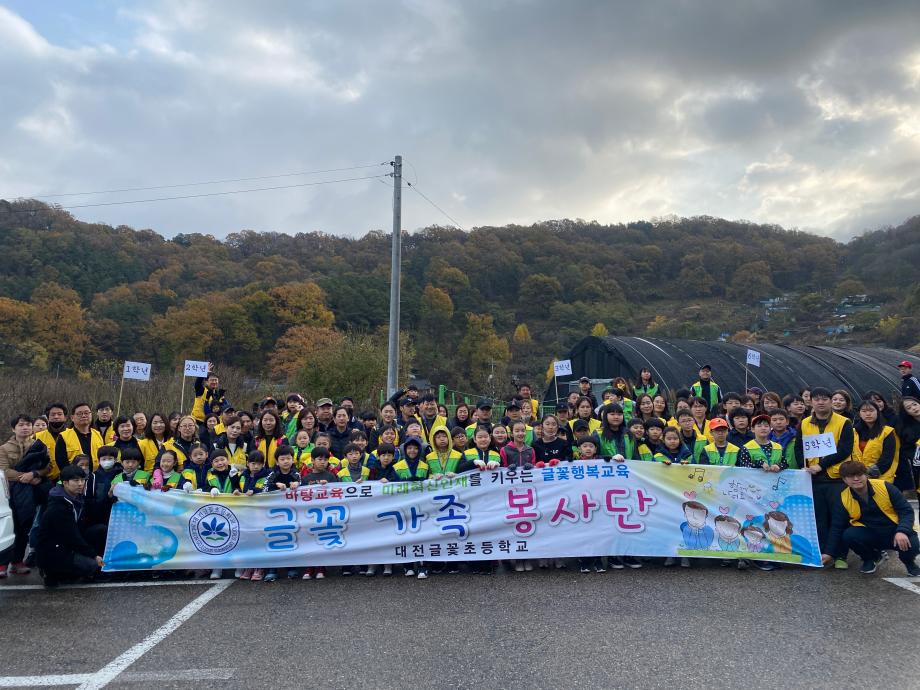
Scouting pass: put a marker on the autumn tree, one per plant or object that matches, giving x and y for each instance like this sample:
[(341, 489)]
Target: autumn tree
[(483, 355), (58, 324), (599, 330)]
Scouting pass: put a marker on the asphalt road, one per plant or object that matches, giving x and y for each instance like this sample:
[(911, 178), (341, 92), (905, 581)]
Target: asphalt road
[(648, 628)]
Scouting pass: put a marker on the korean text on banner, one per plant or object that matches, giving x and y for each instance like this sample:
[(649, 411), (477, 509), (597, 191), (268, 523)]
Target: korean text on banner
[(562, 367), (138, 371), (196, 369), (753, 358), (572, 509)]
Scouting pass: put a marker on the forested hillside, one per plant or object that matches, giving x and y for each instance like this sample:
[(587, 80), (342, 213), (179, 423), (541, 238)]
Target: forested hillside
[(495, 300)]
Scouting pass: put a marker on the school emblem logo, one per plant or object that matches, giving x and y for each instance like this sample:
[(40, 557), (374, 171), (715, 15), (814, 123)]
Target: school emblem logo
[(214, 529)]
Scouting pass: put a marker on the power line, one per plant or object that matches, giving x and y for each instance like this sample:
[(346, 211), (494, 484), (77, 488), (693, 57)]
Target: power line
[(203, 194), (445, 213), (199, 184)]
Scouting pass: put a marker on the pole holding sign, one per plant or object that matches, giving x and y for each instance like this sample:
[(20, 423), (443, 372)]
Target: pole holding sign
[(136, 371)]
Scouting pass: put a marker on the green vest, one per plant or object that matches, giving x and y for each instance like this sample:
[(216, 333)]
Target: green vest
[(141, 477), (759, 457), (450, 463), (225, 487), (404, 472), (609, 448), (697, 390), (730, 457), (344, 474), (651, 390)]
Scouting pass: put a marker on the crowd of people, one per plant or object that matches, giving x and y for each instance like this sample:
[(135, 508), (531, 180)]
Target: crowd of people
[(64, 464)]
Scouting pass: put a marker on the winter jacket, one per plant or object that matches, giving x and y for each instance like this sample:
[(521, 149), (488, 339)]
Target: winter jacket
[(518, 458), (59, 536)]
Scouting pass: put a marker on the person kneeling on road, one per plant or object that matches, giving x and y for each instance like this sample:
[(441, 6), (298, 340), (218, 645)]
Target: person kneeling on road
[(61, 550), (870, 517)]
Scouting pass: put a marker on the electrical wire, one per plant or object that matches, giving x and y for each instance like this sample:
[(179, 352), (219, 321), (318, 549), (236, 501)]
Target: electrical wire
[(201, 195), (200, 184), (443, 212)]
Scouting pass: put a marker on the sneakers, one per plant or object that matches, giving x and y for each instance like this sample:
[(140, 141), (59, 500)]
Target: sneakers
[(307, 576), (4, 570), (684, 562), (519, 567), (20, 569), (410, 572), (600, 568), (868, 567), (270, 576), (766, 566), (371, 571), (841, 564), (631, 562), (387, 570), (215, 574), (246, 574), (743, 564), (616, 563), (257, 574), (544, 563), (238, 573), (346, 571), (913, 569), (320, 574), (670, 561), (528, 566), (422, 574), (585, 569)]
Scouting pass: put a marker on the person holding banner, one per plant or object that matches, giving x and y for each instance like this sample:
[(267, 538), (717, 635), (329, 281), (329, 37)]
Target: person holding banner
[(871, 516), (829, 439), (80, 439)]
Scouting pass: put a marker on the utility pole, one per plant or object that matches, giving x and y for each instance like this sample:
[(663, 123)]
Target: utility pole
[(395, 275)]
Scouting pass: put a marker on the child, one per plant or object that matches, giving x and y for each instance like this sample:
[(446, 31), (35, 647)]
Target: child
[(459, 439), (411, 468), (499, 437), (325, 441), (481, 454), (672, 450), (587, 448), (222, 480), (302, 447), (386, 456), (353, 470), (762, 453), (282, 477), (317, 474), (97, 511), (166, 477), (518, 456), (131, 460), (195, 472), (359, 438), (640, 451), (443, 460), (654, 428), (720, 451), (252, 481)]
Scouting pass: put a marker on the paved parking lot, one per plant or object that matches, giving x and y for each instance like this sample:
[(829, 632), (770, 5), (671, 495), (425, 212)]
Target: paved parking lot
[(645, 628)]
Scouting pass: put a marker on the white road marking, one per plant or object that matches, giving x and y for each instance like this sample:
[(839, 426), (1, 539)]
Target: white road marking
[(106, 585), (905, 583), (110, 671), (126, 677)]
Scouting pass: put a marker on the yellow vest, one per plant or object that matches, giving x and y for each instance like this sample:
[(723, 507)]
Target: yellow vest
[(594, 425), (150, 450), (879, 495), (873, 451), (72, 441), (268, 447), (835, 427), (50, 442)]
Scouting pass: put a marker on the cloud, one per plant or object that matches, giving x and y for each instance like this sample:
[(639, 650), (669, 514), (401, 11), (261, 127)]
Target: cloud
[(803, 114)]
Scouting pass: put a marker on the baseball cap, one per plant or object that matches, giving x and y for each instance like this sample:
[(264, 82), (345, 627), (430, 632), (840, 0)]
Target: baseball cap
[(322, 402), (907, 364), (758, 418), (706, 366), (584, 379), (718, 423), (483, 404), (513, 405)]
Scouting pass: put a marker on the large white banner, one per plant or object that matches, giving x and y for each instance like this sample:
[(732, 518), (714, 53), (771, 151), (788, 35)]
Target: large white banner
[(572, 509)]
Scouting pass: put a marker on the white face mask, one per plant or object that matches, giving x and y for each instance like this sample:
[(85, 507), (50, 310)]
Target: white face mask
[(107, 464)]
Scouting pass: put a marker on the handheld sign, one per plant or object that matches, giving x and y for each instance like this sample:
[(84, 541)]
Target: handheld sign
[(137, 371), (562, 368), (753, 358), (818, 445), (196, 369)]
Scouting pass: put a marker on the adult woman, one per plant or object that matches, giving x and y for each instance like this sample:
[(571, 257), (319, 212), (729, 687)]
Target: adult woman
[(623, 386), (646, 383), (182, 441), (875, 444), (232, 442), (174, 418), (208, 435), (796, 408), (842, 403), (461, 416), (909, 434), (770, 401), (645, 407), (584, 410), (270, 436), (156, 436), (660, 406), (339, 431), (306, 421), (248, 430), (140, 424), (124, 437), (550, 448), (889, 415), (39, 425)]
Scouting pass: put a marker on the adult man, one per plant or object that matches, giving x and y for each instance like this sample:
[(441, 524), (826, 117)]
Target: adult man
[(429, 417), (706, 388), (824, 469), (910, 385), (584, 388), (209, 396), (481, 417), (871, 516), (103, 421), (57, 422), (62, 551), (324, 414), (526, 394), (80, 439)]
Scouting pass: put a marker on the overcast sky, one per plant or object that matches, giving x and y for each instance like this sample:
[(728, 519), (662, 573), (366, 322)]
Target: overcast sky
[(805, 114)]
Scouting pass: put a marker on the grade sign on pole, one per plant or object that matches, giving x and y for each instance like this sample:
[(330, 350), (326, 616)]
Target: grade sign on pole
[(753, 358), (562, 368), (137, 371), (195, 368)]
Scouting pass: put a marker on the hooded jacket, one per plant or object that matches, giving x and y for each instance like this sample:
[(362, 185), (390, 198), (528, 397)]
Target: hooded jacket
[(59, 537), (408, 469), (444, 462)]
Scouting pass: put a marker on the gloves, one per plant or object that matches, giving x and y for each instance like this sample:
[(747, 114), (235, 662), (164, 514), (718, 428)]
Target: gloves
[(187, 487), (666, 461), (528, 466), (554, 462), (215, 491), (436, 477), (491, 465), (541, 464), (233, 471), (157, 480), (480, 464)]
